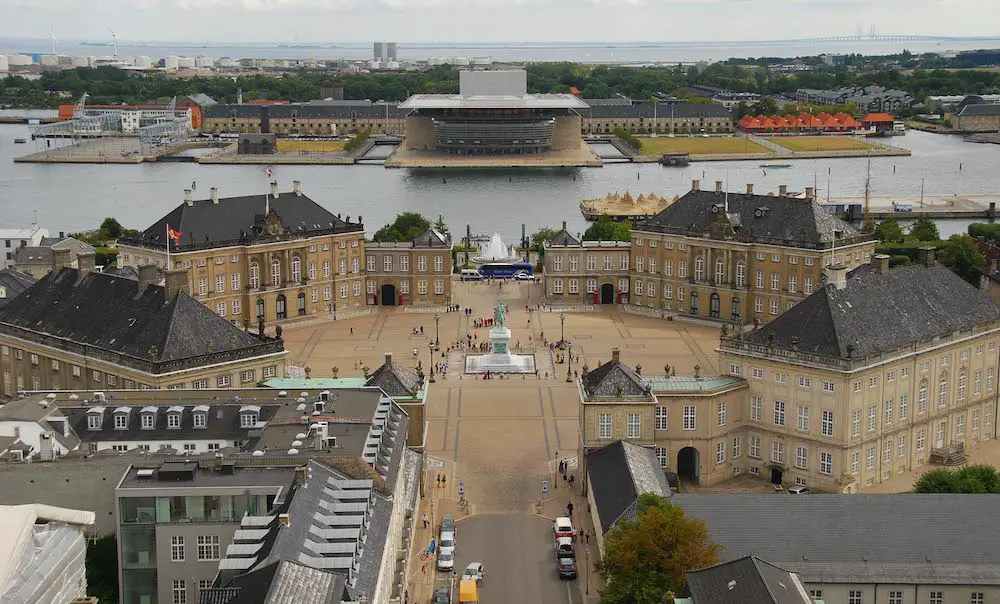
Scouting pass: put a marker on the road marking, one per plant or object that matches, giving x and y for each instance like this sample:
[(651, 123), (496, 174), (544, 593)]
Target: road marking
[(569, 594)]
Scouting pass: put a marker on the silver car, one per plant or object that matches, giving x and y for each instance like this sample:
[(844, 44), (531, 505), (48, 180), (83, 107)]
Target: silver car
[(446, 560)]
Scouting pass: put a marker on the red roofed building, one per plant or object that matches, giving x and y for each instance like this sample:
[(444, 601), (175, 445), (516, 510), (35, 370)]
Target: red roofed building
[(824, 122), (880, 122)]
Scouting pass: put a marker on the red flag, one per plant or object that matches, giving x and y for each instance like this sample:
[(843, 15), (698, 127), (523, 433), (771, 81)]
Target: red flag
[(172, 234)]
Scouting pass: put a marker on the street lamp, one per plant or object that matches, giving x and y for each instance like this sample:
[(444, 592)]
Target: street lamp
[(430, 346), (562, 332), (586, 553), (569, 365), (437, 329)]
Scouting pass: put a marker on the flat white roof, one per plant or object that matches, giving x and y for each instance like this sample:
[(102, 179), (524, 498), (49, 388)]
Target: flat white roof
[(493, 101)]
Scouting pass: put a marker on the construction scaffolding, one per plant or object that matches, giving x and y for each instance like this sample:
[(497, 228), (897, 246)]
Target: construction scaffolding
[(81, 127), (167, 133)]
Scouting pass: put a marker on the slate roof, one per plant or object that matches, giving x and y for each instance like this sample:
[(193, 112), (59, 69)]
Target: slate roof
[(241, 219), (280, 582), (24, 410), (431, 238), (222, 422), (858, 538), (32, 254), (615, 379), (13, 283), (745, 580), (563, 237), (618, 474), (752, 218), (395, 380), (109, 313), (971, 110), (362, 109), (126, 272), (645, 110), (878, 313)]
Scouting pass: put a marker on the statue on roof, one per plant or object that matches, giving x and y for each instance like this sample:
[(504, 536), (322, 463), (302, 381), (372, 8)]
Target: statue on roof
[(500, 315)]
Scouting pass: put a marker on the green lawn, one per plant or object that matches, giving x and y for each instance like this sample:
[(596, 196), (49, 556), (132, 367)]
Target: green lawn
[(819, 143), (700, 146)]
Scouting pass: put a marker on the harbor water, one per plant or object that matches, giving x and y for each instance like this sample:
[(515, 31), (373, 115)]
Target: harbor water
[(68, 197)]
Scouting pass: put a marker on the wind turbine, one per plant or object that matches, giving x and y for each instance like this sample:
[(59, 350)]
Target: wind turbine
[(52, 37), (114, 41)]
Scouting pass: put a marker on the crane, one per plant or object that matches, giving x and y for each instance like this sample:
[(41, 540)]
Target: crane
[(81, 103), (52, 37), (114, 41)]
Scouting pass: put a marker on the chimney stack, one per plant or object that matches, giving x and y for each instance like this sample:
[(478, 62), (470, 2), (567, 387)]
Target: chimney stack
[(615, 353), (810, 193), (388, 358), (881, 262), (187, 197), (718, 186), (783, 190), (695, 185), (564, 225), (836, 275), (61, 259), (749, 188), (298, 187), (274, 189), (85, 264), (174, 281), (215, 195), (926, 256), (149, 274)]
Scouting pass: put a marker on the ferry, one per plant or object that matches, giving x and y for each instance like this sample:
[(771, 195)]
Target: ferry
[(765, 166), (20, 141)]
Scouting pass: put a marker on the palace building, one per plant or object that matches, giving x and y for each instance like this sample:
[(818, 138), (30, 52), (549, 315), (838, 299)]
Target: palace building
[(590, 272), (280, 256)]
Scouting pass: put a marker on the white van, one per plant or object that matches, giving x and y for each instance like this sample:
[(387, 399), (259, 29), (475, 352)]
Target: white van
[(471, 274)]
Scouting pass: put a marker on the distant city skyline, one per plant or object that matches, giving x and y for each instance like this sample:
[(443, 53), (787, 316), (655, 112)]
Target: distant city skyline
[(461, 21)]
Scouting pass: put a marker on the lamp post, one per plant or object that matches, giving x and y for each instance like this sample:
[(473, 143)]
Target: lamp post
[(569, 365), (562, 332), (586, 553), (430, 346), (437, 329)]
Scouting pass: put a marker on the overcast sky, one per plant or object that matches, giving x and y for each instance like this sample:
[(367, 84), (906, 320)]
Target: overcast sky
[(333, 21)]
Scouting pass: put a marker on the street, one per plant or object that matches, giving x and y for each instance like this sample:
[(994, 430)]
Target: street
[(517, 552)]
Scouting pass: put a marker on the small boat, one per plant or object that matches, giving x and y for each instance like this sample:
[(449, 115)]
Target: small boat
[(20, 141), (775, 166)]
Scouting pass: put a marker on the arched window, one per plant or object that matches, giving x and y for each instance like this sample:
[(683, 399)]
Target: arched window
[(694, 302), (741, 274), (296, 270), (254, 275), (943, 390), (260, 308), (963, 382), (699, 269), (720, 270), (714, 305), (276, 272), (279, 307), (302, 303), (922, 397), (736, 309)]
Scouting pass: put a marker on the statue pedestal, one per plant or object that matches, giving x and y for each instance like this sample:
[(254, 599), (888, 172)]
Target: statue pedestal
[(500, 359)]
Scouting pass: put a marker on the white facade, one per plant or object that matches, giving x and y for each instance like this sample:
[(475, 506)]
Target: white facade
[(4, 64), (183, 446), (11, 239), (171, 62), (18, 60)]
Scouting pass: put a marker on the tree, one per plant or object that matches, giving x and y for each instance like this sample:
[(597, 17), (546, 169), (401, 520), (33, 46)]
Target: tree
[(970, 479), (440, 226), (406, 227), (647, 558), (606, 229), (539, 237), (741, 109), (924, 229), (765, 106), (961, 255), (102, 563), (868, 227), (111, 228), (889, 231)]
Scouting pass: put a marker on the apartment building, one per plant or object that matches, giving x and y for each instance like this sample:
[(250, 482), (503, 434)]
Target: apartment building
[(268, 257), (738, 257), (318, 118), (36, 260), (653, 118), (11, 239), (977, 117), (76, 329), (586, 272), (409, 273)]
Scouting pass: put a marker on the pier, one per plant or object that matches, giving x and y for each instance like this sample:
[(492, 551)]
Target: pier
[(913, 207)]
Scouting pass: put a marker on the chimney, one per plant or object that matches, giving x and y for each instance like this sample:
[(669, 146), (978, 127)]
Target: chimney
[(810, 193), (993, 265), (749, 188), (836, 275), (215, 194), (85, 264), (62, 234), (187, 197), (695, 185), (174, 281), (298, 187), (274, 189), (61, 259), (564, 225), (881, 262), (388, 358), (926, 256), (783, 190), (718, 186), (149, 274), (615, 353)]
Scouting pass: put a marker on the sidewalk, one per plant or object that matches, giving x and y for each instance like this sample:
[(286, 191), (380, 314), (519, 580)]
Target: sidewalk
[(421, 574), (553, 505)]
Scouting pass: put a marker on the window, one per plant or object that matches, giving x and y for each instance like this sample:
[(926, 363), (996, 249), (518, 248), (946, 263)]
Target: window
[(921, 439), (736, 447), (638, 287), (177, 548), (775, 283), (682, 269), (404, 264), (802, 419), (200, 418), (901, 444), (557, 286), (354, 265), (960, 425), (591, 286), (977, 383), (661, 456), (720, 453), (826, 463), (660, 418), (904, 372), (887, 450), (888, 412), (422, 264), (870, 459), (807, 286), (945, 360), (872, 382), (179, 592), (722, 413), (370, 264), (779, 413), (326, 268), (720, 271), (855, 462), (623, 263), (604, 426), (633, 426), (148, 421), (871, 418), (422, 287), (781, 378), (222, 381), (208, 547), (755, 409), (121, 421), (854, 597), (963, 381), (689, 417), (975, 420), (741, 274), (856, 423), (343, 290), (342, 266), (757, 373), (922, 398), (357, 288), (759, 278), (438, 264), (173, 420), (668, 268), (989, 380), (792, 284), (668, 291), (638, 263), (247, 376), (735, 369), (754, 450), (758, 305), (827, 423), (275, 272), (857, 386), (591, 262), (404, 287), (607, 263), (327, 293), (895, 597), (778, 452), (943, 391), (774, 306), (977, 597), (935, 597), (221, 308), (801, 458), (235, 278)]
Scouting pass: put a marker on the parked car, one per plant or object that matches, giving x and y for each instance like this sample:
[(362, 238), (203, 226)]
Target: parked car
[(799, 490), (564, 547), (441, 596), (446, 542), (562, 527), (476, 572), (448, 524), (446, 560), (567, 567)]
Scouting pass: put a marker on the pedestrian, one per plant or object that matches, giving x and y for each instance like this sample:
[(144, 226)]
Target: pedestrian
[(444, 480), (587, 535), (571, 479), (560, 466), (580, 533), (439, 480), (569, 508), (425, 520), (352, 331)]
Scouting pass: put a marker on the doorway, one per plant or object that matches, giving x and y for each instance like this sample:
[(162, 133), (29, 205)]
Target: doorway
[(687, 463), (388, 295), (776, 475), (607, 294)]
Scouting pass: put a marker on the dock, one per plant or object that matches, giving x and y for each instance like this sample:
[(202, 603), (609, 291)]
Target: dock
[(905, 207)]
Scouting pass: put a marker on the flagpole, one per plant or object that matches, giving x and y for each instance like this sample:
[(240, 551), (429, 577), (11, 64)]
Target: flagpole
[(168, 248)]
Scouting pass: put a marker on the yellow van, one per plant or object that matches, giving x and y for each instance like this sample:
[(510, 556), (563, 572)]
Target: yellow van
[(468, 592)]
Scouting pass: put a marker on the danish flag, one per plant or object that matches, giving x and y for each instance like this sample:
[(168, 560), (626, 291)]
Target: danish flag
[(172, 234), (269, 172)]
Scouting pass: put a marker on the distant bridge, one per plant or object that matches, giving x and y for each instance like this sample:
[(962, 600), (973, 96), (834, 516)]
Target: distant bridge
[(888, 38)]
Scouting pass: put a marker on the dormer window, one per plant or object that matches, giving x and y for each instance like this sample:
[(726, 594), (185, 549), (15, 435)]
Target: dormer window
[(95, 418), (148, 418), (174, 417), (121, 418), (249, 415), (200, 415)]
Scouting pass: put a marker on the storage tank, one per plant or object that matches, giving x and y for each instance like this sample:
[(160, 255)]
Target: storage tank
[(185, 62), (4, 65), (171, 62), (143, 62), (49, 60), (204, 62), (81, 62), (18, 60), (461, 61), (482, 61)]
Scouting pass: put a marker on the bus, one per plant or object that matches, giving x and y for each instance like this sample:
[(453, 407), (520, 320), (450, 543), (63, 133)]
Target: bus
[(471, 274), (504, 270)]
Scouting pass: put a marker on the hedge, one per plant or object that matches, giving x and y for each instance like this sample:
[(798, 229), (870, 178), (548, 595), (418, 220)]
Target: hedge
[(909, 249)]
